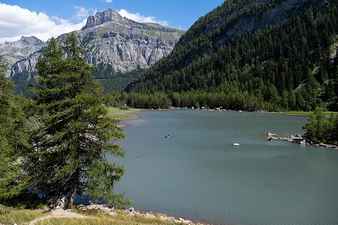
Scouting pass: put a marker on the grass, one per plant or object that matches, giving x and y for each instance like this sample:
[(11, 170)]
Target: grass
[(106, 220), (9, 216), (99, 221), (122, 114), (307, 114)]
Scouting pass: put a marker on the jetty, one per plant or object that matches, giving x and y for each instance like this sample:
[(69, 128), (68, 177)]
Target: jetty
[(298, 139)]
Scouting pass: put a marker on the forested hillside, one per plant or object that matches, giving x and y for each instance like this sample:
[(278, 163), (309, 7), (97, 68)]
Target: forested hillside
[(281, 53)]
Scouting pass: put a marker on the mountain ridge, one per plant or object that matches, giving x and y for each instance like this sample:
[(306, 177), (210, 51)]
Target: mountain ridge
[(112, 40), (11, 52)]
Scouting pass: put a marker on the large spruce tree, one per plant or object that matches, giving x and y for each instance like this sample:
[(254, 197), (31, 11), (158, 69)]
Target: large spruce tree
[(74, 136)]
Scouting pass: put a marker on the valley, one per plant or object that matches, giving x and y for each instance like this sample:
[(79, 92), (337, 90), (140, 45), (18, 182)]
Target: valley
[(169, 113)]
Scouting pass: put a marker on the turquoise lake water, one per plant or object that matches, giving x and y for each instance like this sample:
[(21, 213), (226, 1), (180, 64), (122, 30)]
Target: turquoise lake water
[(183, 163)]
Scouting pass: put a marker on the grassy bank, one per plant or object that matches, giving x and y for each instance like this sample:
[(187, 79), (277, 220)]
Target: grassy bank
[(122, 114), (10, 216), (105, 220), (93, 217), (307, 114)]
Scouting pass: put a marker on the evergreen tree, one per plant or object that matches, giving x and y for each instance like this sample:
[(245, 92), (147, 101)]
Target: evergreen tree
[(13, 142), (74, 135), (264, 62)]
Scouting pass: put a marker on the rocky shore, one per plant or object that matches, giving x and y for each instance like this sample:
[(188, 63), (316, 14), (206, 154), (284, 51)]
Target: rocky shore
[(131, 212), (299, 139)]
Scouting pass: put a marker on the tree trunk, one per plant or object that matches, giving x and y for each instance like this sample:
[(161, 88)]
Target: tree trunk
[(72, 198), (57, 203), (69, 201), (73, 190)]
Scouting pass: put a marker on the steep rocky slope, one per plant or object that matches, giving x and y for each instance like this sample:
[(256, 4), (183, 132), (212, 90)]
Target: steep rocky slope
[(11, 52), (114, 41)]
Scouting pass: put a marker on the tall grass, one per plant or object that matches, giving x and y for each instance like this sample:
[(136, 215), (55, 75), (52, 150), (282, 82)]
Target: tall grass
[(9, 216)]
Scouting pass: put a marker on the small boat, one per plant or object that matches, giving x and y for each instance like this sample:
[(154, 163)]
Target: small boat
[(236, 144)]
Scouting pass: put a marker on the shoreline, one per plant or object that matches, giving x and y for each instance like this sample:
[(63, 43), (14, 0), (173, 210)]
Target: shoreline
[(167, 218), (146, 214), (300, 140), (121, 115), (132, 114), (89, 214), (205, 109)]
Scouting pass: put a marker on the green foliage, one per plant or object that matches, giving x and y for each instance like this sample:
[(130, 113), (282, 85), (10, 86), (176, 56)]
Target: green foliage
[(231, 99), (281, 60), (13, 141), (322, 129), (74, 133), (10, 216), (112, 80), (102, 177)]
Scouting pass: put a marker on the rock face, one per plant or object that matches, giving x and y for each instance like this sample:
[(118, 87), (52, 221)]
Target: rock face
[(11, 52), (103, 17), (110, 39)]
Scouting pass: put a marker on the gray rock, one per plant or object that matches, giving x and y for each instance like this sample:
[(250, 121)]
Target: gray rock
[(131, 210), (11, 52), (103, 17), (109, 38)]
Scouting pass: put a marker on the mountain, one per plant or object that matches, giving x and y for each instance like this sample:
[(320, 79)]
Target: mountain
[(115, 45), (280, 52), (11, 52)]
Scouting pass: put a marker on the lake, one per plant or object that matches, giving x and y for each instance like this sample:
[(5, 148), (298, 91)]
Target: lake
[(184, 164)]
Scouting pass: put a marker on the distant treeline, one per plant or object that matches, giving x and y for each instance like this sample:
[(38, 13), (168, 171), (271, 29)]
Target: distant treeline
[(197, 99)]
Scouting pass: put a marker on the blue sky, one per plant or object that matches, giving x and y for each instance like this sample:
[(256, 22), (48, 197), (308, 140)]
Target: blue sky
[(72, 13), (178, 13)]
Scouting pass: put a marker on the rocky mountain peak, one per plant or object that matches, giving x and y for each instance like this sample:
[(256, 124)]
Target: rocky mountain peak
[(30, 40), (109, 15), (110, 41), (11, 52)]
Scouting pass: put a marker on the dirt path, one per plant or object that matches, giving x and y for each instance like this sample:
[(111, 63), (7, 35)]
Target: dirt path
[(58, 214)]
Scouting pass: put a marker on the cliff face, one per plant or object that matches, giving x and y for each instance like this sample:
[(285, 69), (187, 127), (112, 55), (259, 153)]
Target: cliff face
[(110, 39), (11, 52), (126, 45)]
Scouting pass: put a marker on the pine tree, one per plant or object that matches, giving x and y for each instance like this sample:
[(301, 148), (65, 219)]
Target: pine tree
[(72, 141)]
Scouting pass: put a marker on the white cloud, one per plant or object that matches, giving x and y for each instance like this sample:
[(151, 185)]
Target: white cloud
[(140, 18), (16, 21), (83, 13)]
